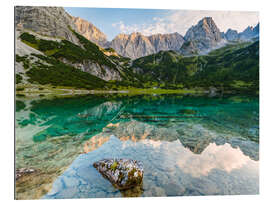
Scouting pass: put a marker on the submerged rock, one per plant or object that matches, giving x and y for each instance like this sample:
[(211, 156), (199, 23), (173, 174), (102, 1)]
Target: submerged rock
[(23, 171), (122, 173), (187, 111)]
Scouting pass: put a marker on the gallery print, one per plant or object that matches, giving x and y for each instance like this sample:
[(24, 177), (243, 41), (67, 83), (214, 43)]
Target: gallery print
[(135, 102)]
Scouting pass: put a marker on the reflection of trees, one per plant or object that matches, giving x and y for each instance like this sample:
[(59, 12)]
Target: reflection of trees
[(87, 115), (65, 124), (70, 122), (20, 105)]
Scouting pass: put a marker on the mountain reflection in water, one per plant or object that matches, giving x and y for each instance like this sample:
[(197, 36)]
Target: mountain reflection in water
[(170, 170), (189, 145)]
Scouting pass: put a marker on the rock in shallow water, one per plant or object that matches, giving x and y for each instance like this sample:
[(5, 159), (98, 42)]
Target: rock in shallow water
[(23, 171), (122, 173)]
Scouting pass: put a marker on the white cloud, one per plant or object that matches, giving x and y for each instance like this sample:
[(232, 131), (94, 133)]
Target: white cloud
[(180, 21)]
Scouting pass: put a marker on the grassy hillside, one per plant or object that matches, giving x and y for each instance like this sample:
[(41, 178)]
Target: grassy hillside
[(68, 50), (232, 67), (60, 74), (56, 51)]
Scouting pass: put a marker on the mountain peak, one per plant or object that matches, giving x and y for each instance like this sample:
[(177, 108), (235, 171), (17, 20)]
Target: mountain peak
[(207, 20), (90, 32), (249, 33), (231, 30), (50, 21), (248, 29), (231, 35), (135, 33), (205, 27), (207, 23), (205, 32)]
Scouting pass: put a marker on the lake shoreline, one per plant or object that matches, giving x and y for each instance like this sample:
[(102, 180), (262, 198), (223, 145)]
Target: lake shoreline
[(29, 90)]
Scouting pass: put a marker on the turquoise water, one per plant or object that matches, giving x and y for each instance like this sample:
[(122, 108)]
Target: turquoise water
[(190, 145)]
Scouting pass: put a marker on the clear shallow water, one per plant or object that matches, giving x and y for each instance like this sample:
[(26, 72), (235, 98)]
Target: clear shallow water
[(190, 145)]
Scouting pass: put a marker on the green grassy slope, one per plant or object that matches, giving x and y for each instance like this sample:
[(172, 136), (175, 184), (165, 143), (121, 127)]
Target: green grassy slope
[(60, 74), (231, 67), (56, 51), (68, 50)]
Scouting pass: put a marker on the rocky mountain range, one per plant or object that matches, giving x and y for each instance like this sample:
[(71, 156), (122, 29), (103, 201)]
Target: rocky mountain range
[(137, 45), (199, 39), (248, 34)]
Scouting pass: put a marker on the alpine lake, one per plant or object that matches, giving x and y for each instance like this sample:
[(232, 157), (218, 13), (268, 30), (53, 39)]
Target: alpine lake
[(190, 145)]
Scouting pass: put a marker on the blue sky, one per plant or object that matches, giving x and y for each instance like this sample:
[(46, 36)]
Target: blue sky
[(113, 21)]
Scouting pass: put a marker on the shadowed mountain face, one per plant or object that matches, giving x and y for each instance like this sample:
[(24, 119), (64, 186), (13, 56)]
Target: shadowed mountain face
[(232, 35), (206, 29), (204, 36), (249, 34)]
